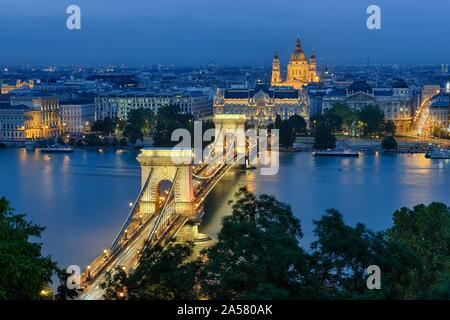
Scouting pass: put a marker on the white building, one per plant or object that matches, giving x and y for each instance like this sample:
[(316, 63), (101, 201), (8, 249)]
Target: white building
[(76, 115), (118, 104), (398, 103), (12, 123)]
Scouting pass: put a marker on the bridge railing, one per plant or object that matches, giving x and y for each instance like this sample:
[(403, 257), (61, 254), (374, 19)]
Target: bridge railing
[(134, 211)]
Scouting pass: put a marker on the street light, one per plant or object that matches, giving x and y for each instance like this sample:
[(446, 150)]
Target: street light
[(88, 277)]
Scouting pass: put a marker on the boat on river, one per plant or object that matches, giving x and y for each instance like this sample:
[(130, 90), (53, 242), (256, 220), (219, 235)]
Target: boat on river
[(438, 154), (57, 149), (336, 153)]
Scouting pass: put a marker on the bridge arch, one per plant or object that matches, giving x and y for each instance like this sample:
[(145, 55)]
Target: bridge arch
[(167, 165), (162, 190)]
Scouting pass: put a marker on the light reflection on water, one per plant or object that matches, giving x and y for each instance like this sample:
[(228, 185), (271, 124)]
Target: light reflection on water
[(82, 198)]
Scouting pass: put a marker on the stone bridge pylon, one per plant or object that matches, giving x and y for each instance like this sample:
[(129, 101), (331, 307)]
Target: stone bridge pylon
[(172, 165)]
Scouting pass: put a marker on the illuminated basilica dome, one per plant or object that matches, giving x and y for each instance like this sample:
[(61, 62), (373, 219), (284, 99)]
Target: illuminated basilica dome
[(298, 54), (300, 72)]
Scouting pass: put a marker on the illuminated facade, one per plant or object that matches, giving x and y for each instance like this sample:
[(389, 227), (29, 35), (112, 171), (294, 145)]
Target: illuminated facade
[(440, 111), (261, 104), (6, 88), (33, 125), (43, 118), (50, 116), (300, 72)]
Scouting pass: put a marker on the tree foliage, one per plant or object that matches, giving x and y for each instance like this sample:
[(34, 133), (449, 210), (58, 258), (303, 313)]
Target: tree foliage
[(108, 126), (168, 119), (426, 230), (324, 137), (162, 274), (389, 143), (24, 272), (257, 255), (140, 123), (288, 129), (371, 119)]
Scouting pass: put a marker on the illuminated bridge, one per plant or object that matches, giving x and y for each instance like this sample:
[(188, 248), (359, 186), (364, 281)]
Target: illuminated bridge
[(159, 214)]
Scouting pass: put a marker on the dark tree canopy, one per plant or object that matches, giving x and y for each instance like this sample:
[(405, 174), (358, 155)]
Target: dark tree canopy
[(168, 119), (24, 272), (389, 143), (108, 126), (324, 137), (426, 230), (140, 122), (371, 119), (257, 255), (298, 123)]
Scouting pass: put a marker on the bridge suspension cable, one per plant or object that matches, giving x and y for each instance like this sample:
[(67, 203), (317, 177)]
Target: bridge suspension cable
[(132, 213), (162, 212)]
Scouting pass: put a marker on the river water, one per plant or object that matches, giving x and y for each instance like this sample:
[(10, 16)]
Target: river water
[(83, 198)]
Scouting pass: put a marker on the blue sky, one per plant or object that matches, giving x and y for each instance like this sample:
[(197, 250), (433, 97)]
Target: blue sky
[(187, 32)]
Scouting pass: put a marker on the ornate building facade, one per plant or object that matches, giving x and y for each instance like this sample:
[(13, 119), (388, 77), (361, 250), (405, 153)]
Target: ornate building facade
[(261, 104), (300, 72)]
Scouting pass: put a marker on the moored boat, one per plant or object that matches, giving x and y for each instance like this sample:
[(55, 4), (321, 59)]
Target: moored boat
[(57, 149), (438, 154), (336, 153)]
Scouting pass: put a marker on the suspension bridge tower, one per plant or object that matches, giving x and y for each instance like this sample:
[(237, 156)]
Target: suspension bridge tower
[(171, 165)]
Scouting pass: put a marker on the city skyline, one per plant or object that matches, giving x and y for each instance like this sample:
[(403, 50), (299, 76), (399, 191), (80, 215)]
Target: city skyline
[(236, 33)]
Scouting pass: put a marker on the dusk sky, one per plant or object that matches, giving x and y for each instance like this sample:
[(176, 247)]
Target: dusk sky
[(194, 32)]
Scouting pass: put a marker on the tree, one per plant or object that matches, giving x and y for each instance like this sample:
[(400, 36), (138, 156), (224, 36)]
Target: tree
[(439, 291), (93, 140), (168, 119), (277, 123), (140, 122), (371, 118), (323, 136), (114, 286), (332, 120), (108, 126), (123, 143), (345, 113), (389, 143), (24, 272), (341, 255), (162, 274), (63, 292), (257, 255), (287, 134), (389, 128), (298, 123), (133, 133), (426, 230)]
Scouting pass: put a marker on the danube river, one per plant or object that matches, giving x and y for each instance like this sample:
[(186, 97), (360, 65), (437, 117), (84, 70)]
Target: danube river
[(83, 198)]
